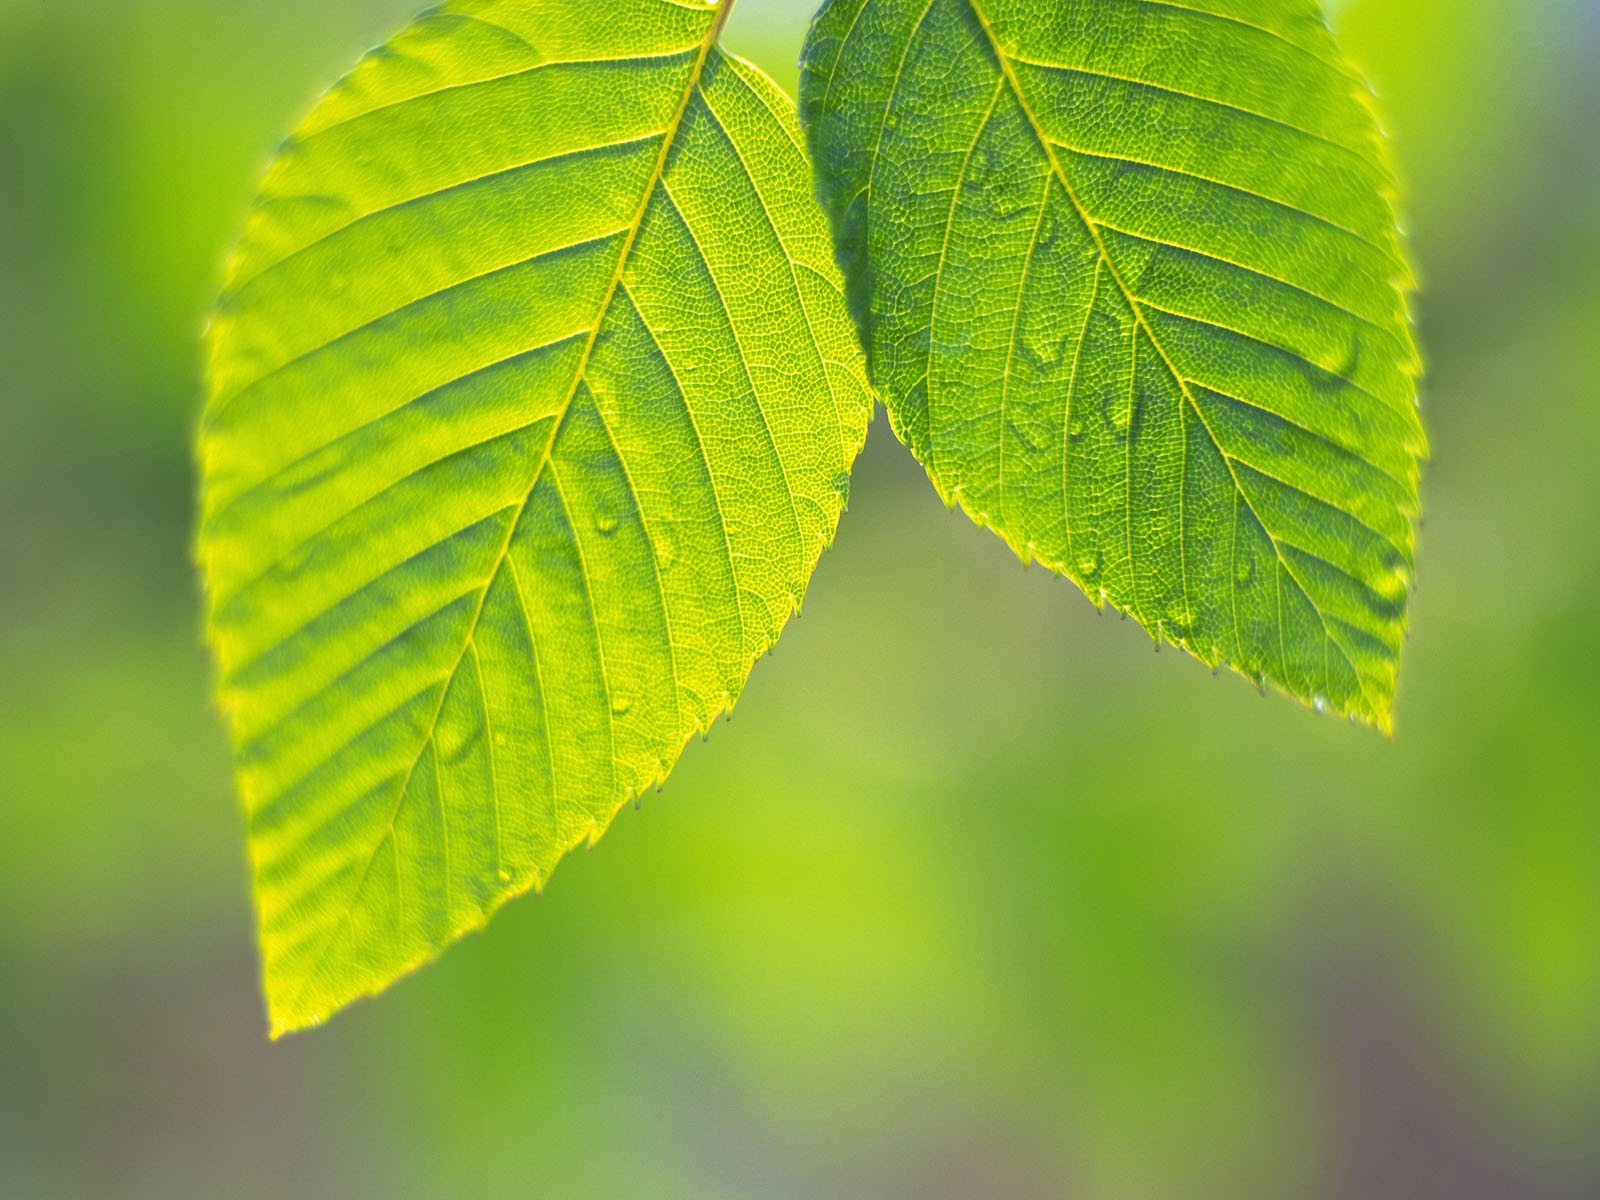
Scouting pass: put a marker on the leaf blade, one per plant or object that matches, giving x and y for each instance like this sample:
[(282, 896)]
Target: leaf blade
[(1132, 289), (511, 364)]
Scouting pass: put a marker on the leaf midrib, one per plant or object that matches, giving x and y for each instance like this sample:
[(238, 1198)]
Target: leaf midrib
[(1135, 306), (657, 174)]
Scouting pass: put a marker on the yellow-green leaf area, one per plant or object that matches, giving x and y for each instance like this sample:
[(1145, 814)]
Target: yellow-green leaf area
[(532, 400), (1131, 285)]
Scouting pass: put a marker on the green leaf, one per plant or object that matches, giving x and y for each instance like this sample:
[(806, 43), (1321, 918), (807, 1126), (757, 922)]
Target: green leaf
[(1131, 286), (533, 398)]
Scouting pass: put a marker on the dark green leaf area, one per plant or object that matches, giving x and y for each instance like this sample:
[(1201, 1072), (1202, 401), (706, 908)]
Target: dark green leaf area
[(1131, 285)]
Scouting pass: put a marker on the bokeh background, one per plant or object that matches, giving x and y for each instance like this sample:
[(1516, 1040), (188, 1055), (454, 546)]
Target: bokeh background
[(976, 897)]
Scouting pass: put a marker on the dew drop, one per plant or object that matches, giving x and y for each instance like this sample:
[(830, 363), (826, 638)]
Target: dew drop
[(505, 874), (1089, 564), (605, 521), (1245, 570), (620, 705), (666, 546), (1320, 704), (1048, 228), (1116, 407)]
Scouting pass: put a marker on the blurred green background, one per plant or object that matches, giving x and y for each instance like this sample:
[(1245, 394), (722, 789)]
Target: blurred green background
[(977, 897)]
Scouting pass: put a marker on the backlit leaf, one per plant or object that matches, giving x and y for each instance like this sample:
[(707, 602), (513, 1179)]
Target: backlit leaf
[(1131, 286), (532, 401)]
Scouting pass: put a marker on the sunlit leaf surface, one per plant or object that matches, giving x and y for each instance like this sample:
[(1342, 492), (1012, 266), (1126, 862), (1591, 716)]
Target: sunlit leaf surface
[(1132, 289), (533, 398)]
